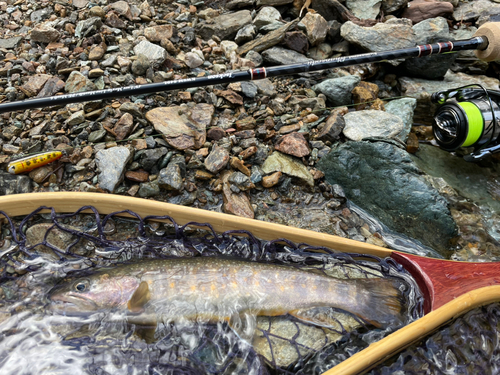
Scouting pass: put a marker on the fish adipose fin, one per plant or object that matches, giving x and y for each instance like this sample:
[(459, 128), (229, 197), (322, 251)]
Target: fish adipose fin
[(141, 296)]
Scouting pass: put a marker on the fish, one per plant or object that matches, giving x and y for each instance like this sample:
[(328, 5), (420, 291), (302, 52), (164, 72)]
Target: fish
[(220, 289), (29, 163)]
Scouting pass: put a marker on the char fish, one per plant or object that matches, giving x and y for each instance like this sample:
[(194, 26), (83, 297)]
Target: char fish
[(216, 289)]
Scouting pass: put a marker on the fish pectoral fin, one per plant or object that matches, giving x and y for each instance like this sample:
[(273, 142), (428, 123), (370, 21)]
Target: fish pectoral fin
[(244, 324), (141, 296), (319, 316)]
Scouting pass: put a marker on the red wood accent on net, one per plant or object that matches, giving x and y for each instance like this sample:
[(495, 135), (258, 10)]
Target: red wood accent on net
[(444, 280)]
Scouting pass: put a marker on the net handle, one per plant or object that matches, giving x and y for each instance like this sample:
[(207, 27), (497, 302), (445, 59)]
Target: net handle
[(64, 202)]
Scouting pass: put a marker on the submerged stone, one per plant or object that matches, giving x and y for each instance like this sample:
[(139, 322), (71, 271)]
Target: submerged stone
[(288, 165), (384, 180)]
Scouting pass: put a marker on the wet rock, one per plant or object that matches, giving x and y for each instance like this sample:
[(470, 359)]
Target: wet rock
[(10, 43), (271, 180), (181, 130), (316, 28), (297, 41), (267, 41), (235, 203), (266, 16), (153, 52), (149, 158), (44, 34), (392, 34), (403, 108), (278, 162), (226, 26), (112, 162), (368, 9), (419, 10), (137, 176), (334, 125), (338, 90), (171, 177), (217, 159), (293, 144), (382, 179), (77, 82), (159, 33), (14, 184), (35, 84), (124, 126), (63, 241), (371, 123), (238, 164), (282, 56), (412, 144)]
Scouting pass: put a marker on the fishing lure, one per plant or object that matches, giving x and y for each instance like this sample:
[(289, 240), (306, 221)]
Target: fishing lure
[(31, 162)]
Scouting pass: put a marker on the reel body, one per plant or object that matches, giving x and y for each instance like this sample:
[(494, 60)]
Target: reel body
[(468, 117)]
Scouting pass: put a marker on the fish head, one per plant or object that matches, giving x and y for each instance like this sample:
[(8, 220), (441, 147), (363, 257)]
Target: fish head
[(92, 293)]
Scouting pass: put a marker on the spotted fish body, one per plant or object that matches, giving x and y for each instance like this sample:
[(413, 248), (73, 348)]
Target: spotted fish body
[(31, 162), (217, 288)]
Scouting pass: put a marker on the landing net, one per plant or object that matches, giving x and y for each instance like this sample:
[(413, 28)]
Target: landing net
[(43, 247)]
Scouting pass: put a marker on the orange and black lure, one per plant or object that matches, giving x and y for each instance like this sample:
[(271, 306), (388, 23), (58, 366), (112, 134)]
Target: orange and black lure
[(31, 162)]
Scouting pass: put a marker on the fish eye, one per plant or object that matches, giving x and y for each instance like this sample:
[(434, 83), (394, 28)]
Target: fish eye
[(81, 286)]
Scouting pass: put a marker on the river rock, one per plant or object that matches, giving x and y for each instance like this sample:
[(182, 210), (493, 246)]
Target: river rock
[(217, 159), (112, 162), (182, 130), (55, 237), (470, 11), (35, 84), (364, 9), (320, 52), (265, 87), (371, 123), (267, 41), (171, 177), (245, 34), (334, 125), (88, 26), (279, 162), (391, 6), (283, 56), (316, 28), (404, 109), (140, 65), (266, 16), (431, 31), (422, 89), (153, 52), (383, 179), (241, 181), (124, 126), (14, 184), (235, 203), (293, 144), (297, 41), (122, 8), (10, 43), (149, 158), (159, 33), (44, 34), (419, 10), (77, 82), (226, 26), (392, 34), (338, 90)]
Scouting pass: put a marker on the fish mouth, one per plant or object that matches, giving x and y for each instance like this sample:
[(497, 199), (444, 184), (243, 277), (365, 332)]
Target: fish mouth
[(72, 303)]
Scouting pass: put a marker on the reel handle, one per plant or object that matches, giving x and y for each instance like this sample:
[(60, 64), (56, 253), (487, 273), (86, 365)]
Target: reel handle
[(491, 31)]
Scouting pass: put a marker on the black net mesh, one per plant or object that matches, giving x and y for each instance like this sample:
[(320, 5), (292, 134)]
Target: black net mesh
[(41, 248), (468, 345)]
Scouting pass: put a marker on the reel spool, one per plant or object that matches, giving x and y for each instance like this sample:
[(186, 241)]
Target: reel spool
[(469, 116)]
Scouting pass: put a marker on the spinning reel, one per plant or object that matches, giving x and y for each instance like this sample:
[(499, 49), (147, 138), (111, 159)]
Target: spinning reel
[(469, 116)]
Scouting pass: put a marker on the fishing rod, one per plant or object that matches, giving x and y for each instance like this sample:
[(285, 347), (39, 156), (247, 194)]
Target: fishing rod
[(484, 42)]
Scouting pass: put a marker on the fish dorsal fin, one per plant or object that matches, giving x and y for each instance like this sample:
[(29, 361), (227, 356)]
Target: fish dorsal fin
[(140, 297)]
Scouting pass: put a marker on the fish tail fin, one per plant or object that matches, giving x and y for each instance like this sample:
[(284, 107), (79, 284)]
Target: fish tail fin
[(383, 302)]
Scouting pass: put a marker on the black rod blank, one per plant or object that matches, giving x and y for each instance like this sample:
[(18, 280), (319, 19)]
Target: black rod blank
[(479, 42)]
